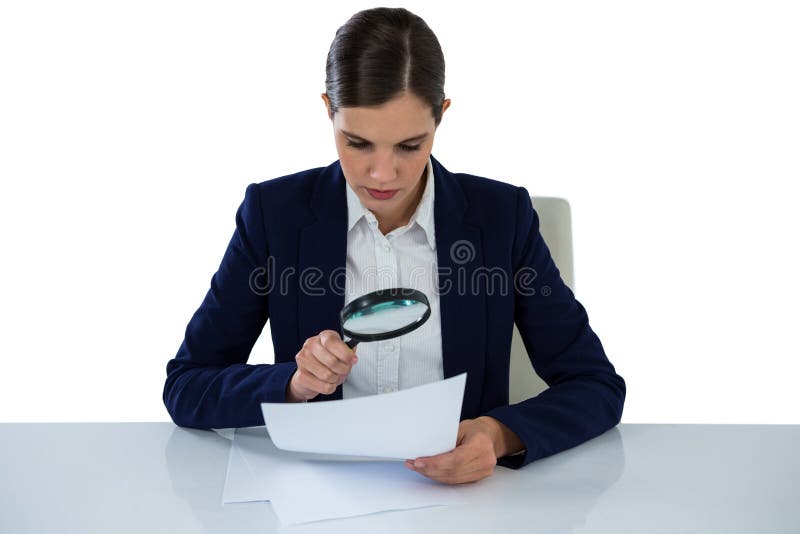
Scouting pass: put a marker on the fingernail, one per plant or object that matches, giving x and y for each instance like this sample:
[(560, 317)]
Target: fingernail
[(419, 464)]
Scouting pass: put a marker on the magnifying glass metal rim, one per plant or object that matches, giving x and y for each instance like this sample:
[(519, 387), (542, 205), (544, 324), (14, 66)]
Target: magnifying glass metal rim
[(378, 297)]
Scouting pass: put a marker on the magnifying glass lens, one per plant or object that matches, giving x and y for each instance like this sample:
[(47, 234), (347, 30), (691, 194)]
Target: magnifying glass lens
[(384, 314), (385, 317)]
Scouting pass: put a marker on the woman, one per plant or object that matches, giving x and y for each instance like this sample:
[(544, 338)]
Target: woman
[(385, 214)]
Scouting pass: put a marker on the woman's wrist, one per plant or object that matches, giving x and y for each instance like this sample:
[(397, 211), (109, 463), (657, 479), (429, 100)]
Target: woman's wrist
[(505, 441), (290, 394)]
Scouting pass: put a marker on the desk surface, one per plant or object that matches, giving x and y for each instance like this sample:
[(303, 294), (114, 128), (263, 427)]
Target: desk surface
[(156, 477)]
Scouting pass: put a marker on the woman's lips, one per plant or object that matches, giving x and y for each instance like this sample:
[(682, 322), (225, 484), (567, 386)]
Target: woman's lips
[(381, 195)]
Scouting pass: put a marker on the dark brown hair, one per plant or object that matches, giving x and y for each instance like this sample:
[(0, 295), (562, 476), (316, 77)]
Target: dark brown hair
[(378, 54)]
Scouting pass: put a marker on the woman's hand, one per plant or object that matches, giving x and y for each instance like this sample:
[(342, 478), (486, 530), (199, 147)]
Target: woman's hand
[(480, 442), (322, 364)]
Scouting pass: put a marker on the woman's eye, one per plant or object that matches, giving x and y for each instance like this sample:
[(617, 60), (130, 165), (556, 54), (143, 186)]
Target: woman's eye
[(410, 148), (407, 148), (357, 145)]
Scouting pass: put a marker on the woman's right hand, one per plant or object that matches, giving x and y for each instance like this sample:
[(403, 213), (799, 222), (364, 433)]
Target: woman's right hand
[(322, 364)]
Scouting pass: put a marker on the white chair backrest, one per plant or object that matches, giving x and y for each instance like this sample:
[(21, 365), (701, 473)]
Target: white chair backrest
[(555, 225)]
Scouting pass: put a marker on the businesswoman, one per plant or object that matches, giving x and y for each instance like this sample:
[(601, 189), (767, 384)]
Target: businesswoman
[(385, 214)]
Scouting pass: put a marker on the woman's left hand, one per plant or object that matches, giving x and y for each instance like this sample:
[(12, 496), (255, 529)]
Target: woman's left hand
[(473, 458)]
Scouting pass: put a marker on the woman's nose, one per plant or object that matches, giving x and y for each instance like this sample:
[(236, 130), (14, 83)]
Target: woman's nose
[(383, 169)]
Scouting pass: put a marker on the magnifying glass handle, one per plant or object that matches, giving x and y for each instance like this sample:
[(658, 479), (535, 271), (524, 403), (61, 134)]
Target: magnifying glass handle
[(351, 343)]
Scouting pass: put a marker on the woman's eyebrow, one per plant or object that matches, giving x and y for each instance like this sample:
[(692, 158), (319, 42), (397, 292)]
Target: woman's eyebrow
[(409, 140)]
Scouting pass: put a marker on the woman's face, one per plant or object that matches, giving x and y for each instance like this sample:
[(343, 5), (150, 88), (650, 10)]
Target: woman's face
[(383, 151)]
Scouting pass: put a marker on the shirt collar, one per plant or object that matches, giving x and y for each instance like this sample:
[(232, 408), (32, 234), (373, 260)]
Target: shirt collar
[(423, 215)]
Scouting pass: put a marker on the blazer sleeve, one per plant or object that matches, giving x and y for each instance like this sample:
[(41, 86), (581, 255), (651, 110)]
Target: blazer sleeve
[(209, 384), (585, 396)]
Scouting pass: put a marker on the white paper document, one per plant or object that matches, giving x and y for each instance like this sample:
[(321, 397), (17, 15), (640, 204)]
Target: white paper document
[(419, 421), (360, 479), (303, 489)]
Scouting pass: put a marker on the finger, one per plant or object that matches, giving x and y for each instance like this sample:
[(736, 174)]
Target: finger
[(465, 478), (468, 473), (451, 469), (310, 363), (477, 464), (329, 360), (475, 453), (447, 462), (309, 382), (462, 431), (334, 344)]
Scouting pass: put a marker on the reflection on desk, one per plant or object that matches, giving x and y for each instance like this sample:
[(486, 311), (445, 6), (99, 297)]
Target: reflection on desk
[(156, 477)]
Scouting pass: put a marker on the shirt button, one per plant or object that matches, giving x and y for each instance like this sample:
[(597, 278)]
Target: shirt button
[(388, 389), (387, 248), (390, 348)]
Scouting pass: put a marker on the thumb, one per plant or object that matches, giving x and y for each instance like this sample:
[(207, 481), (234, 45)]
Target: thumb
[(462, 433)]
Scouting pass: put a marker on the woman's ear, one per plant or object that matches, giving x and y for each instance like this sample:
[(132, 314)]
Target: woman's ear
[(327, 105), (445, 105)]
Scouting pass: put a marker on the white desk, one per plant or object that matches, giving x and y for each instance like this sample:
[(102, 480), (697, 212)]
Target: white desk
[(156, 477)]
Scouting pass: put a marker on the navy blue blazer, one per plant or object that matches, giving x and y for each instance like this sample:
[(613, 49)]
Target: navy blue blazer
[(286, 262)]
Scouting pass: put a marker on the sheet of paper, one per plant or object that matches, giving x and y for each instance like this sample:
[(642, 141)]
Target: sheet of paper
[(304, 487), (419, 421)]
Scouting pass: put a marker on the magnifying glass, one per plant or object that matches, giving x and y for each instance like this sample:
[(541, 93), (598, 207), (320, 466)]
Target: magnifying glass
[(384, 314)]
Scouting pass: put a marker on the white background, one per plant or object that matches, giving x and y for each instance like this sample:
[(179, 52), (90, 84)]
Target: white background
[(129, 132)]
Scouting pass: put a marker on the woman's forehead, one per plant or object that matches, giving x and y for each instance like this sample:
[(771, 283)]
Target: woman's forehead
[(374, 124)]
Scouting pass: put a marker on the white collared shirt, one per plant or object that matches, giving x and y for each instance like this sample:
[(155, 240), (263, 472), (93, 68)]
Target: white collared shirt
[(405, 257)]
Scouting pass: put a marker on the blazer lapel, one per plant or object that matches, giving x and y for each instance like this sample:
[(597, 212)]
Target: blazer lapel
[(459, 252)]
